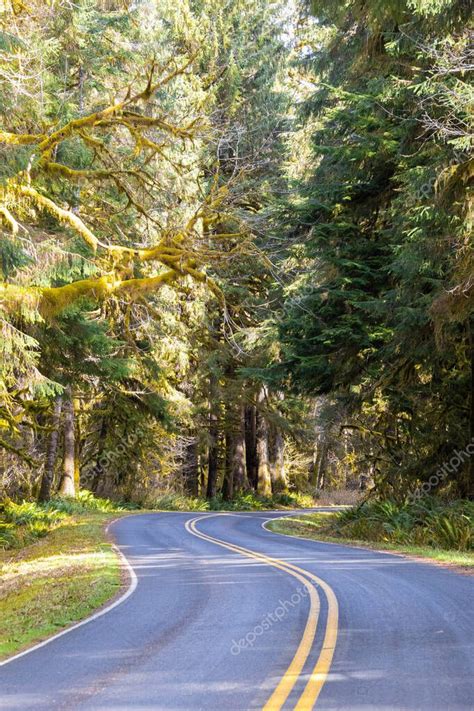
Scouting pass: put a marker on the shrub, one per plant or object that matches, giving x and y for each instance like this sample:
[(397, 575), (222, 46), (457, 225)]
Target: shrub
[(86, 501), (429, 521), (28, 513), (178, 502), (22, 523), (8, 537), (246, 501)]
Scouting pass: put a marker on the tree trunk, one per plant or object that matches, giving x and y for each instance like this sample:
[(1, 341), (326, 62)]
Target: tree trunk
[(77, 443), (98, 469), (467, 484), (213, 456), (251, 444), (228, 483), (277, 461), (321, 470), (235, 479), (321, 467), (191, 468), (318, 470), (239, 463), (470, 487), (67, 484), (52, 448), (264, 482)]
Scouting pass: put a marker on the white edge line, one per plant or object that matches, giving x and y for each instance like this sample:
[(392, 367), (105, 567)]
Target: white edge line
[(95, 616)]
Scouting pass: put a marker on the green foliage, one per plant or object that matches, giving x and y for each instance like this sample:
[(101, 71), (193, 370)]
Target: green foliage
[(429, 521), (12, 257), (249, 501), (29, 513), (381, 223), (178, 502), (110, 190), (22, 523), (86, 501)]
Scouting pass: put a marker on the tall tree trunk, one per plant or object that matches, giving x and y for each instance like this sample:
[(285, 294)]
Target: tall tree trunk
[(264, 482), (98, 470), (251, 444), (228, 483), (213, 456), (51, 450), (235, 479), (67, 484), (318, 469), (239, 463), (277, 460), (191, 468), (202, 475), (277, 454), (467, 486), (321, 467), (77, 443)]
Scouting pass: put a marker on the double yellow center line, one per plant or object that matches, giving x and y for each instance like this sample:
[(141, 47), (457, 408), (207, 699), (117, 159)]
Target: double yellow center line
[(320, 671)]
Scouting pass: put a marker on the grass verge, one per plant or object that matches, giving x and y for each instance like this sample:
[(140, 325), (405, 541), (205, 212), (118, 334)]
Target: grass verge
[(320, 527), (57, 580)]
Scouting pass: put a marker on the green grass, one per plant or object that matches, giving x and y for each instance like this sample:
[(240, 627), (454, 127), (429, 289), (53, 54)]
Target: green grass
[(68, 571), (326, 527)]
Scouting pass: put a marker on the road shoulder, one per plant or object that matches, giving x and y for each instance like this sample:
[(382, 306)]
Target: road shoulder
[(298, 527)]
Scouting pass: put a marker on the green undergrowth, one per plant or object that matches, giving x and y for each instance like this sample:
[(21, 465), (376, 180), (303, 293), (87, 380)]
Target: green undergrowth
[(243, 502), (429, 527), (23, 523), (428, 522)]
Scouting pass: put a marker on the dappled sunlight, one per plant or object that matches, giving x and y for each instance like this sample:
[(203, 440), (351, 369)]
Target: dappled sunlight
[(49, 563)]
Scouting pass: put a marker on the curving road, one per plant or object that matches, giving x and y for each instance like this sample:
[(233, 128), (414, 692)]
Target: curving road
[(229, 616)]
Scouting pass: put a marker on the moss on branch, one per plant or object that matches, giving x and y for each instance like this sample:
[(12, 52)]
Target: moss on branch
[(51, 301), (65, 216)]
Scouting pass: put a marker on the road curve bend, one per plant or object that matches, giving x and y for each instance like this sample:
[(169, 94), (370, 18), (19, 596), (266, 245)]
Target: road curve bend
[(227, 615)]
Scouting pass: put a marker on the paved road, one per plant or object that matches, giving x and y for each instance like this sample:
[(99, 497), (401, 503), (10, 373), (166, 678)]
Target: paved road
[(212, 626)]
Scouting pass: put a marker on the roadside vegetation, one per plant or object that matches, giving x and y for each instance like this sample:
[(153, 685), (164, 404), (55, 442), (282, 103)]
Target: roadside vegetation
[(23, 523), (251, 501), (241, 502), (429, 527), (56, 566)]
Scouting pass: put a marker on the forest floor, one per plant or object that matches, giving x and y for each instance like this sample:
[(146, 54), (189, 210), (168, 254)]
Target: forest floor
[(57, 580), (316, 526)]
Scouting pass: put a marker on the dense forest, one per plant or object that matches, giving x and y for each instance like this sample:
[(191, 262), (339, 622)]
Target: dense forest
[(236, 248)]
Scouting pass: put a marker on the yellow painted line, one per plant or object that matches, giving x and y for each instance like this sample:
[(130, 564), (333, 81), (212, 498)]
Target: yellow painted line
[(319, 674), (293, 672)]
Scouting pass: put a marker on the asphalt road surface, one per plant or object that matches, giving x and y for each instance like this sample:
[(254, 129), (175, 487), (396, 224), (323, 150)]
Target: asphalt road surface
[(229, 616)]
